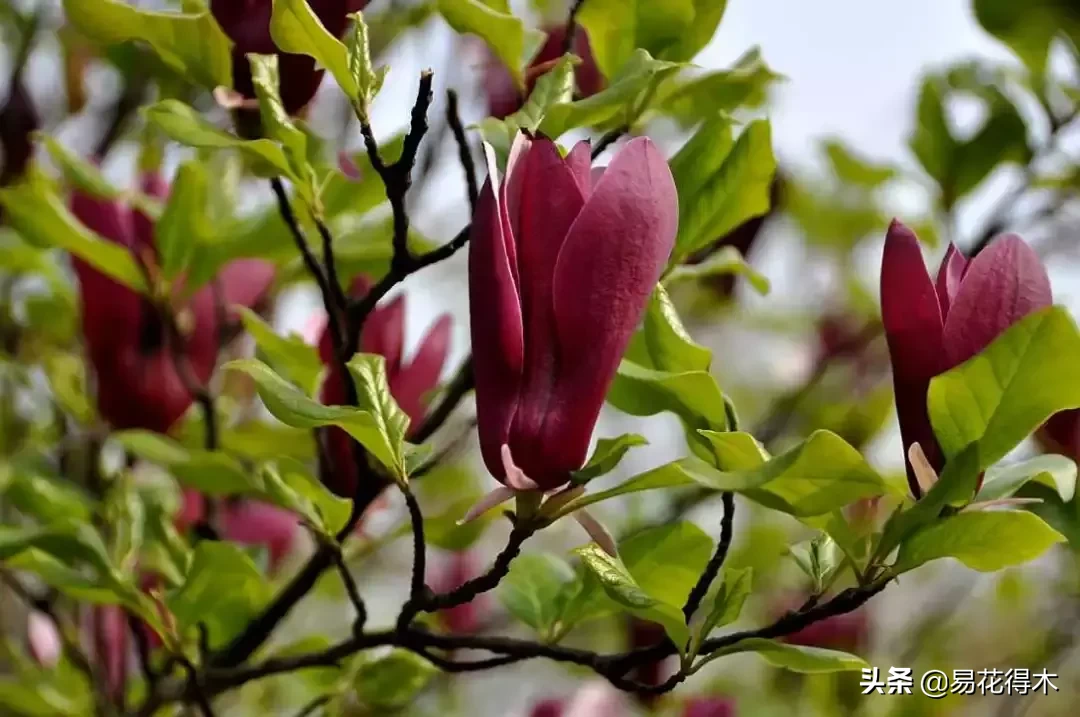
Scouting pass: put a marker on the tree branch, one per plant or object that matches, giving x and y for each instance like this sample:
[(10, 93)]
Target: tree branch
[(571, 27), (693, 601), (459, 386), (468, 167), (418, 592)]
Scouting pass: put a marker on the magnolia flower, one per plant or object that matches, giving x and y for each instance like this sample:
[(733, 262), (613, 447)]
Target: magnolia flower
[(411, 382), (108, 630), (594, 699), (247, 23), (246, 522), (561, 264), (503, 96), (709, 707), (932, 326), (137, 381), (1061, 434), (18, 121), (43, 639), (455, 571)]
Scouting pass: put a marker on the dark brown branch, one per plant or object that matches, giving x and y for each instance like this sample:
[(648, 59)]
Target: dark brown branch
[(468, 167), (571, 27), (607, 140), (195, 689), (469, 590), (418, 591), (727, 524), (309, 709), (353, 592), (337, 293), (459, 386)]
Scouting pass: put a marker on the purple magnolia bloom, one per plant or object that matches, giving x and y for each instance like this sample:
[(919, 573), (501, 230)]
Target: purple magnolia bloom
[(43, 639), (562, 261), (932, 326), (247, 23), (709, 707), (137, 382)]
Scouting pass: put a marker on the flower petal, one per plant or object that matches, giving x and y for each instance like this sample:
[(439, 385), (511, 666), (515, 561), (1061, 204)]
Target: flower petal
[(911, 315), (496, 326), (550, 202), (609, 265), (384, 333), (949, 275), (417, 379), (579, 160), (245, 282), (252, 522), (1002, 285)]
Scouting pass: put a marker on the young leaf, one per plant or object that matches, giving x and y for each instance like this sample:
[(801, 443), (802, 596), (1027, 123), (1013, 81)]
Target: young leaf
[(183, 124), (289, 355), (1057, 472), (82, 175), (739, 190), (668, 342), (997, 398), (535, 590), (821, 474), (620, 103), (290, 406), (553, 87), (982, 540), (34, 210), (669, 475), (797, 658), (725, 261), (183, 223), (729, 601), (277, 124), (373, 395), (223, 590), (504, 34), (210, 472), (289, 484), (608, 453), (43, 498), (193, 45), (390, 681), (368, 80), (296, 28), (619, 585), (690, 100)]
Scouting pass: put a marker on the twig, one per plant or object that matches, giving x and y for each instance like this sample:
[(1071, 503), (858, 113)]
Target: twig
[(353, 593), (470, 589), (607, 140), (142, 649), (337, 293), (126, 104), (468, 167), (397, 177), (571, 27), (309, 709), (693, 601), (195, 690), (461, 384), (418, 591)]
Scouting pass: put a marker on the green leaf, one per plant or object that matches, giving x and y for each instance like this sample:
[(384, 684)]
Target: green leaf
[(1029, 28), (192, 44), (821, 474), (535, 590), (504, 34), (223, 590), (210, 472), (729, 600), (445, 532), (619, 585), (296, 28), (276, 123), (368, 80), (999, 397), (553, 87), (290, 355), (672, 30), (289, 484), (725, 261), (34, 210), (374, 396), (183, 223), (341, 195), (797, 658), (391, 680), (608, 453), (183, 124), (72, 543), (737, 191), (818, 558), (670, 475), (620, 103), (744, 84), (982, 540), (82, 175), (44, 498), (69, 580), (1057, 472), (851, 168), (693, 396), (669, 344), (667, 560), (290, 406)]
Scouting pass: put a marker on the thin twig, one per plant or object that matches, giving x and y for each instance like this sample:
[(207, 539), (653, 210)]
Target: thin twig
[(607, 140), (571, 27), (468, 167), (353, 592), (195, 690), (693, 601), (337, 293), (309, 709), (142, 649), (469, 590), (418, 590)]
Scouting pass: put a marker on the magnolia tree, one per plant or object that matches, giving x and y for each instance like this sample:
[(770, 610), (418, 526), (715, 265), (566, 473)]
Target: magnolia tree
[(180, 478)]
